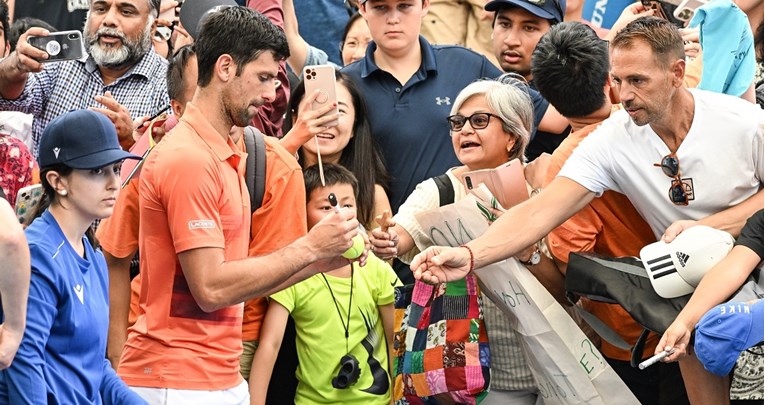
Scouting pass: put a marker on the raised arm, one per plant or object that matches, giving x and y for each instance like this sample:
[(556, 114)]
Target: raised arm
[(217, 284), (535, 217), (298, 45), (15, 69)]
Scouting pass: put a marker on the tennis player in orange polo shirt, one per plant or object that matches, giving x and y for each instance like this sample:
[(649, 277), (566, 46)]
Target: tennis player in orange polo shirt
[(194, 227)]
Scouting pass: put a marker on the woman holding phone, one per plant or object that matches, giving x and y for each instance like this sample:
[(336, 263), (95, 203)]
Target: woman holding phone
[(349, 143), (62, 354)]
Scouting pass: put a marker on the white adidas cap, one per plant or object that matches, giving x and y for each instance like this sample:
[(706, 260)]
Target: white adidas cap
[(676, 268)]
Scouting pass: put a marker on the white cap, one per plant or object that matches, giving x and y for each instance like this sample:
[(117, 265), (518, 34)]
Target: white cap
[(676, 268)]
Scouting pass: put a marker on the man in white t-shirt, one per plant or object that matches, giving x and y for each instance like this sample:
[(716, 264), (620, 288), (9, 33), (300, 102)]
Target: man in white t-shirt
[(682, 157)]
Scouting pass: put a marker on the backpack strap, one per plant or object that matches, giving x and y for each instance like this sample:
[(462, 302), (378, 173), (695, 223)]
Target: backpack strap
[(255, 172), (445, 189)]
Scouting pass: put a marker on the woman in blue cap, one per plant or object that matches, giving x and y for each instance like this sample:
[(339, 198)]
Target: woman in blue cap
[(61, 356)]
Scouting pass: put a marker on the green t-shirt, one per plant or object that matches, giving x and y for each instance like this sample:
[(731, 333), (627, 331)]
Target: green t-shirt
[(321, 336)]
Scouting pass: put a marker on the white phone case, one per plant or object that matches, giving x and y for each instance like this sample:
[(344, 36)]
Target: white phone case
[(321, 77), (687, 8)]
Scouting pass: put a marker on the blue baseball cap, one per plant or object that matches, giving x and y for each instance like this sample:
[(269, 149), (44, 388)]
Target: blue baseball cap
[(726, 331), (81, 139), (553, 10)]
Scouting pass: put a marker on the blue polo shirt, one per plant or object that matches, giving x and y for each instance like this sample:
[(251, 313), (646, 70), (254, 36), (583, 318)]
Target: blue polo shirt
[(409, 122)]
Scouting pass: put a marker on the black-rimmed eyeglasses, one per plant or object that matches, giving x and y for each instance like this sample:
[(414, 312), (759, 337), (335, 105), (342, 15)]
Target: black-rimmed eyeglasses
[(479, 120), (670, 166)]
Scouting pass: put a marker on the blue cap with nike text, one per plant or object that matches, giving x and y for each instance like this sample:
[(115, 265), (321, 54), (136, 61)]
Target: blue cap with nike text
[(726, 331), (81, 139), (553, 10)]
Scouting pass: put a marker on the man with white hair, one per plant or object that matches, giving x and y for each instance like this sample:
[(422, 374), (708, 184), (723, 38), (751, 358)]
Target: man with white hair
[(121, 77)]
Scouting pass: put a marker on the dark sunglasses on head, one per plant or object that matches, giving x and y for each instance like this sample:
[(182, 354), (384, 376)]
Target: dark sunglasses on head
[(479, 120), (670, 166)]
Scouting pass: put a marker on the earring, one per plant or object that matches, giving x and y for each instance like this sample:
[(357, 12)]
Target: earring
[(62, 192)]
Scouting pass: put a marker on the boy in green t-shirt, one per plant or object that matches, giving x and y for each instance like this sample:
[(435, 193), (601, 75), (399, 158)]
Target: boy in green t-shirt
[(343, 318)]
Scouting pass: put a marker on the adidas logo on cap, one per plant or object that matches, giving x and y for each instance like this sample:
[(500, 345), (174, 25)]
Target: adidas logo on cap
[(682, 258)]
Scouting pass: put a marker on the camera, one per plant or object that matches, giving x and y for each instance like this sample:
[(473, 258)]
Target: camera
[(348, 374)]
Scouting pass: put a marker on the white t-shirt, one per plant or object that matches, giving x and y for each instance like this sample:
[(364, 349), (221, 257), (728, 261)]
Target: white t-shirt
[(722, 157)]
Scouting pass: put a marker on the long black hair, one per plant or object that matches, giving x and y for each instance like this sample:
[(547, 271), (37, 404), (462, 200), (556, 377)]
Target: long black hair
[(360, 156)]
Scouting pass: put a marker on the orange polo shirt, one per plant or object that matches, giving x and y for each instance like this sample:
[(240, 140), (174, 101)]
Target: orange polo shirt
[(118, 234), (279, 221), (611, 226), (192, 195)]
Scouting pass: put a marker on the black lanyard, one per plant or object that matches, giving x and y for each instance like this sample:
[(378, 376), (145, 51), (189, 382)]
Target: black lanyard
[(346, 326)]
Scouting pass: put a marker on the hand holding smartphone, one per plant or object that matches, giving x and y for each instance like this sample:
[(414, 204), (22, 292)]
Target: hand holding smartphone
[(322, 78), (60, 46), (658, 10), (167, 10)]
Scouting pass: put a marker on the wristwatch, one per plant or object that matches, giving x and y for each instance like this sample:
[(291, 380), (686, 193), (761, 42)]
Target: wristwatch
[(535, 258)]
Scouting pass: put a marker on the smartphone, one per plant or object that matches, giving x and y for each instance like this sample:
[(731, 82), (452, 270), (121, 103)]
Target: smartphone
[(168, 14), (26, 200), (506, 182), (62, 45), (658, 10), (322, 78), (687, 8)]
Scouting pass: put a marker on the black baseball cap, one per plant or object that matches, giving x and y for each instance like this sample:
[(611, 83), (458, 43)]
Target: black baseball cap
[(194, 11), (81, 139)]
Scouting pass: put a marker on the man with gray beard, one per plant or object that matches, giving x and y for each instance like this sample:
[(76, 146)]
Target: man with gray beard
[(121, 77)]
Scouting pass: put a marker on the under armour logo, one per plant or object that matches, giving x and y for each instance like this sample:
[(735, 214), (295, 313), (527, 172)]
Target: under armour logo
[(56, 151), (445, 100), (682, 258), (80, 293)]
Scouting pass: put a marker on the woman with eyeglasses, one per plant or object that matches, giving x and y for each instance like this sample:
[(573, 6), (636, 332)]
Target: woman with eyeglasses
[(490, 125)]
